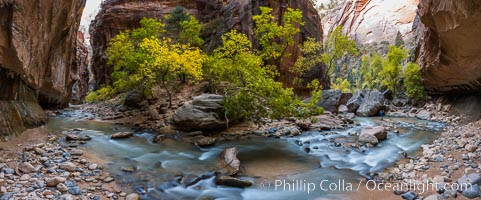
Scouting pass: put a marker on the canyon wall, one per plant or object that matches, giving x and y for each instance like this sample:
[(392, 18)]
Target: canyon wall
[(218, 16), (80, 67), (371, 21), (450, 46), (37, 49)]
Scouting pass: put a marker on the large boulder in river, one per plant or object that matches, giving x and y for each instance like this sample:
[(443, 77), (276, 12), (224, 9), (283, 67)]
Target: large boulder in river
[(332, 99), (228, 164), (204, 112), (372, 135), (366, 103)]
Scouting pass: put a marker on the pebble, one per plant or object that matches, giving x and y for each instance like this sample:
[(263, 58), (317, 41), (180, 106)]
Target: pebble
[(75, 191), (108, 179), (76, 152), (55, 181), (93, 166), (409, 195), (472, 192), (8, 171), (62, 187), (24, 177), (132, 196)]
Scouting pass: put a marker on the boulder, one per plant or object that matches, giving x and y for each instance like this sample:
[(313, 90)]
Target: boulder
[(232, 182), (424, 114), (134, 99), (372, 102), (368, 138), (228, 164), (379, 132), (355, 101), (343, 109), (332, 99), (372, 135), (366, 103), (205, 141), (121, 135), (204, 112)]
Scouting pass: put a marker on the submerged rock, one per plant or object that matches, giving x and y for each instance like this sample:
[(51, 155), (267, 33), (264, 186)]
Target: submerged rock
[(228, 164), (204, 112), (121, 135), (232, 182)]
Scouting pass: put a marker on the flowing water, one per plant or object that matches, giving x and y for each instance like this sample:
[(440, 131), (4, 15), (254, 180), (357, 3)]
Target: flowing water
[(285, 168)]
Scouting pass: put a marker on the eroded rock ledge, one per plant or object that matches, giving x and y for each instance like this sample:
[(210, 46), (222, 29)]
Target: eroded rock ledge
[(450, 46)]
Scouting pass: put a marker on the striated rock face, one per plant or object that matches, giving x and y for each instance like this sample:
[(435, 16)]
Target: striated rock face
[(37, 43), (219, 17), (370, 21), (450, 45), (80, 70)]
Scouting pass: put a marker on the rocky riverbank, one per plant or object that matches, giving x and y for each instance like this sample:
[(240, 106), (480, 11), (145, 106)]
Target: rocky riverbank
[(451, 163), (47, 166)]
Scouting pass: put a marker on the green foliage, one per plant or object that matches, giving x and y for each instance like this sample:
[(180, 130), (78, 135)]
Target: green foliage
[(308, 61), (413, 81), (392, 66), (144, 57), (378, 73), (150, 55), (190, 33), (249, 88), (165, 61), (103, 93), (399, 42), (183, 27), (342, 84), (371, 67), (337, 47), (174, 19), (273, 37)]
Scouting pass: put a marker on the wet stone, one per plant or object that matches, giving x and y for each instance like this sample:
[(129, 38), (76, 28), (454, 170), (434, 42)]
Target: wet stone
[(75, 191)]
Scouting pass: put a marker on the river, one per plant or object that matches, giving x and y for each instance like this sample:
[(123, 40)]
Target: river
[(301, 167)]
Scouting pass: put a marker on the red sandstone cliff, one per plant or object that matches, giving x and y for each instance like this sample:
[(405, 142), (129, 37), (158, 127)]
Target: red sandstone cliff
[(37, 45)]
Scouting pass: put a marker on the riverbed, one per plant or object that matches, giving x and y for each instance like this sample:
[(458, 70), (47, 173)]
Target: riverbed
[(313, 165)]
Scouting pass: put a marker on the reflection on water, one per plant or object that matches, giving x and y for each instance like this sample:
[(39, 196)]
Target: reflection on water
[(178, 170)]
